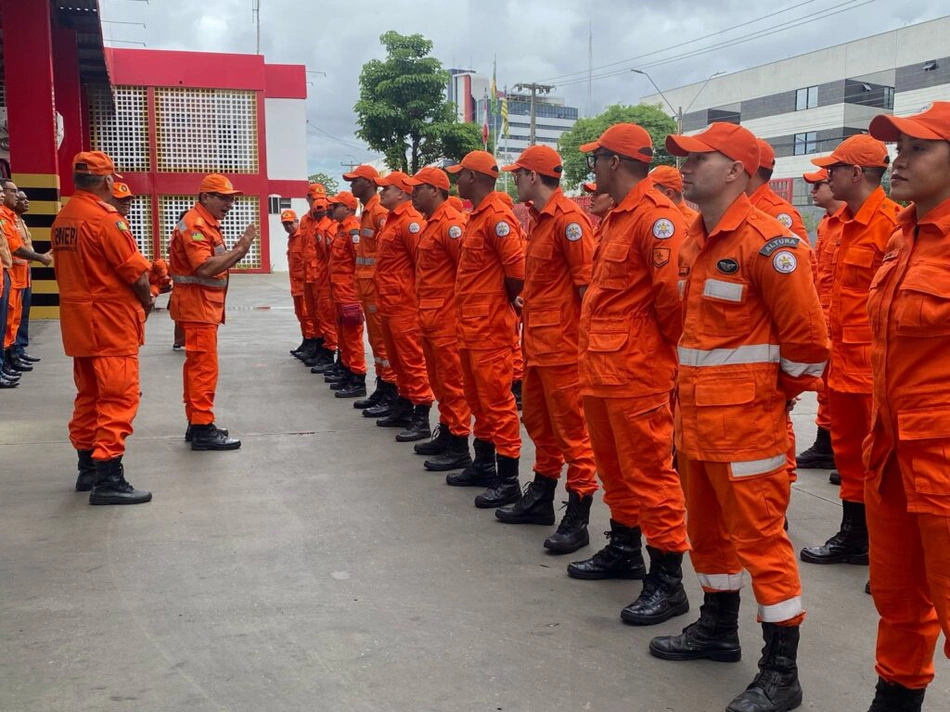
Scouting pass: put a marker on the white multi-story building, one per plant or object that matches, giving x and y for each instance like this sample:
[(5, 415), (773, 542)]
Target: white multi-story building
[(806, 105)]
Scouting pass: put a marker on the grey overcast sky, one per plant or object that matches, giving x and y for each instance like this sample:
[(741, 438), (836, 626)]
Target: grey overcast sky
[(533, 40)]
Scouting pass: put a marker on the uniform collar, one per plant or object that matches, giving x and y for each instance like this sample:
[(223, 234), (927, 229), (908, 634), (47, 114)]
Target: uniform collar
[(208, 217), (938, 218), (440, 211), (734, 216), (401, 209), (372, 202), (632, 199), (762, 194), (867, 209), (556, 201), (491, 200)]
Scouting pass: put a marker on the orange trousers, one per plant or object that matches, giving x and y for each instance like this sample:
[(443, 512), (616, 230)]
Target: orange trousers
[(403, 340), (366, 288), (311, 298), (518, 354), (445, 378), (737, 522), (326, 315), (791, 464), (823, 418), (306, 322), (850, 425), (910, 582), (200, 371), (633, 444), (350, 338), (486, 375), (107, 399), (14, 316), (553, 415)]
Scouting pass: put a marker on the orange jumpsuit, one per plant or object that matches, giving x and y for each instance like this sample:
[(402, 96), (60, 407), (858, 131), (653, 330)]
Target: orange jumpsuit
[(558, 255), (630, 323), (689, 215), (308, 256), (19, 275), (326, 312), (862, 240), (198, 307), (102, 320), (907, 493), (342, 269), (295, 267), (397, 245), (491, 251), (753, 338), (371, 222), (438, 257), (829, 232)]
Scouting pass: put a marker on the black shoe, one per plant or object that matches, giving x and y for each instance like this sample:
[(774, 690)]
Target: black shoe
[(622, 558), (345, 382), (386, 402), (15, 362), (516, 392), (819, 456), (438, 443), (356, 388), (536, 505), (481, 473), (506, 488), (111, 487), (418, 428), (775, 688), (455, 456), (867, 587), (663, 596), (891, 697), (324, 361), (399, 417), (24, 356), (299, 349), (375, 397), (8, 382), (335, 375), (571, 533), (87, 471), (715, 636), (8, 372), (188, 432), (209, 437), (849, 545), (312, 352), (834, 477)]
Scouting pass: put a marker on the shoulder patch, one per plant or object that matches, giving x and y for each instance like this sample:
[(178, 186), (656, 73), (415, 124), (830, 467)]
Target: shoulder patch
[(785, 219), (122, 225), (502, 228), (455, 232), (182, 225), (355, 236), (574, 232), (776, 242), (661, 256), (663, 229), (197, 236), (382, 221), (784, 262), (414, 227)]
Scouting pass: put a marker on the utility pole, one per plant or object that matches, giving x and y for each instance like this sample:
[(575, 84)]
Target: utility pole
[(256, 11), (534, 88), (350, 166)]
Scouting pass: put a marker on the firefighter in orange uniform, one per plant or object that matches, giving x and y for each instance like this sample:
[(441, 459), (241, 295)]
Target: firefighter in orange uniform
[(318, 356), (868, 219), (630, 323), (438, 256), (326, 316), (753, 338), (517, 341), (199, 266), (558, 253), (363, 184), (908, 487), (295, 269), (820, 455), (104, 301), (342, 270), (122, 198), (490, 277), (669, 181)]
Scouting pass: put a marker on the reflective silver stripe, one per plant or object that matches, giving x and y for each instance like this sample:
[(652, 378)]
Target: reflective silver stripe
[(756, 353), (682, 287), (749, 468), (796, 368), (366, 261), (385, 363), (721, 582), (730, 291), (368, 232), (779, 612), (203, 281)]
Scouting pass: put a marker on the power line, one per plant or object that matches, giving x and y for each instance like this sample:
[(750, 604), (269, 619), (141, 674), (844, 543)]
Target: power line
[(341, 141)]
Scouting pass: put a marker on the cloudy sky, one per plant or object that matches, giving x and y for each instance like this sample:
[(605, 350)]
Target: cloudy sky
[(533, 40)]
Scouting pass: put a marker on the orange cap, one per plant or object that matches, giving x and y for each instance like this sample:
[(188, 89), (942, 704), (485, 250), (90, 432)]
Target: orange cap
[(288, 216), (344, 197), (121, 191), (667, 176), (217, 183), (628, 140), (857, 150), (397, 179), (820, 176), (730, 140), (590, 187), (543, 160), (94, 163), (766, 155), (478, 161), (430, 175), (932, 124), (319, 202), (316, 190), (362, 171)]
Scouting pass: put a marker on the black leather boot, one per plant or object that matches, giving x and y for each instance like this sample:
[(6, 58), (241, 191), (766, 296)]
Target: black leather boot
[(111, 487), (374, 398), (386, 403), (506, 488), (299, 349), (310, 352), (481, 473), (209, 437), (418, 428), (455, 456), (516, 392), (663, 596), (189, 432), (339, 384), (438, 443), (400, 415), (622, 558), (775, 688), (891, 697), (571, 533), (819, 456), (87, 471), (11, 359), (715, 636), (355, 388), (849, 545), (325, 360), (536, 505), (338, 373)]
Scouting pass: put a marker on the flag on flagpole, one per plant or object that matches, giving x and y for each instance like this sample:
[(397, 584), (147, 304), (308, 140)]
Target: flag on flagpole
[(494, 86), (504, 116), (485, 124)]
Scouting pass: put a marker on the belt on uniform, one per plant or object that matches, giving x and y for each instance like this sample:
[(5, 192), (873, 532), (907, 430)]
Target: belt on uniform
[(203, 281), (366, 261)]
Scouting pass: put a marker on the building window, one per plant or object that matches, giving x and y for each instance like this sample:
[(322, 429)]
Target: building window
[(889, 98), (276, 205), (806, 143), (806, 98), (118, 125)]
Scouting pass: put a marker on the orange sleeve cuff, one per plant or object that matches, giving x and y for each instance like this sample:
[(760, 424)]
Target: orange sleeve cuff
[(133, 268)]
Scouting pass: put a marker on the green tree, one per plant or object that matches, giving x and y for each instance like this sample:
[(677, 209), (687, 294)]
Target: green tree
[(649, 116), (402, 111), (328, 182)]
